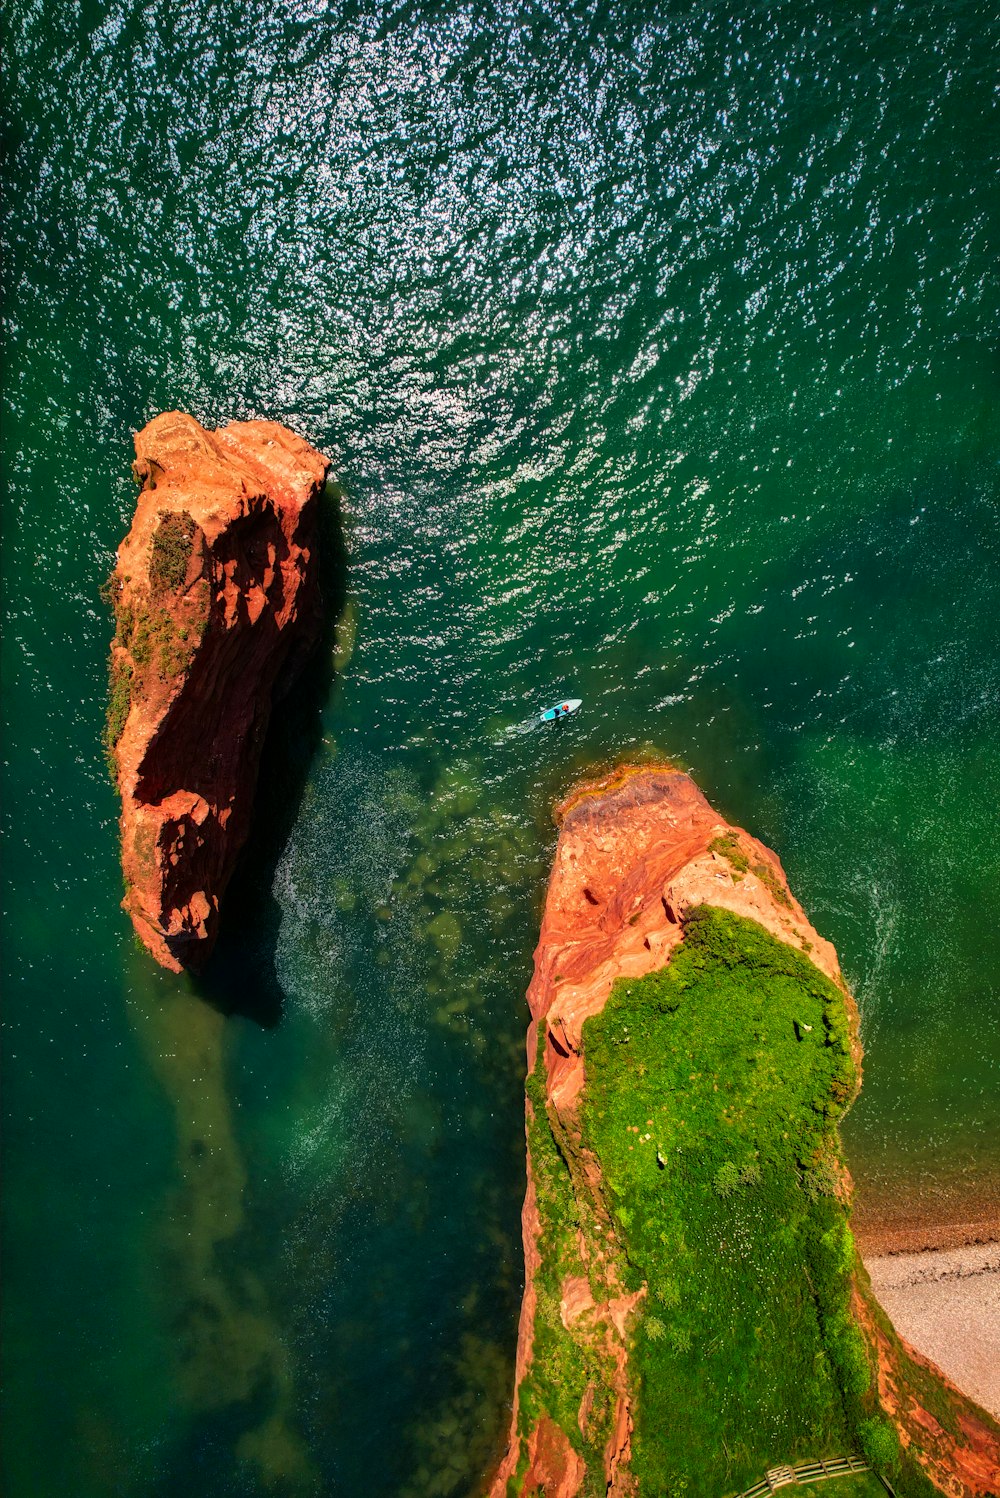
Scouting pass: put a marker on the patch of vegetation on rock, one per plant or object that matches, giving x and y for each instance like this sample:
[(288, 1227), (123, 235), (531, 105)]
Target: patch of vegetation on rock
[(173, 541), (119, 702), (729, 847), (564, 1362), (709, 1105), (148, 638)]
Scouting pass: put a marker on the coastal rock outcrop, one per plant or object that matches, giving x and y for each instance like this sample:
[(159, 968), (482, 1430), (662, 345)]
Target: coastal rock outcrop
[(217, 605), (694, 1311)]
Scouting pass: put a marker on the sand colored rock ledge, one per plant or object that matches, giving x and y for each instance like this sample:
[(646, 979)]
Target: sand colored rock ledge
[(217, 605), (628, 1235)]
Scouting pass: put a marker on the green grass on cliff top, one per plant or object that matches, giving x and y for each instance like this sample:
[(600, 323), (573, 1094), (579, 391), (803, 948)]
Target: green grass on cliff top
[(713, 1090)]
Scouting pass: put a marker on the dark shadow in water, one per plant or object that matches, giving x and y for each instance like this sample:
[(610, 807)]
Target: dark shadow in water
[(241, 977)]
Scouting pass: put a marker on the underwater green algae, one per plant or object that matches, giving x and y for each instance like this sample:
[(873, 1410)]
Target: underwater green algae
[(453, 1438), (229, 1351), (472, 859)]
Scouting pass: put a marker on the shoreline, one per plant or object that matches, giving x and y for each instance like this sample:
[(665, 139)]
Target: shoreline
[(928, 1222), (879, 1240), (946, 1304), (934, 1265)]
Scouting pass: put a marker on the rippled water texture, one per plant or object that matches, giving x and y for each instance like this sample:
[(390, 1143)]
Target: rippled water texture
[(655, 350)]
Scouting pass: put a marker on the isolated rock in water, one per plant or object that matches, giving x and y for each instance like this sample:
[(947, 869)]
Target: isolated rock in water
[(217, 605), (694, 1311)]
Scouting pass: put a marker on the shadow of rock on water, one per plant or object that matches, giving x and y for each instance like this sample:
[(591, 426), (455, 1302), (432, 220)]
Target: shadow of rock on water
[(241, 976)]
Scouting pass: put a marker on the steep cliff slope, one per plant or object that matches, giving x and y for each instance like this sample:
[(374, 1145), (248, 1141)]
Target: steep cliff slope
[(217, 604), (694, 1311)]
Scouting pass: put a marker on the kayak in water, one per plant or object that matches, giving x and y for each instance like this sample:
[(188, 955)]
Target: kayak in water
[(550, 715), (561, 710)]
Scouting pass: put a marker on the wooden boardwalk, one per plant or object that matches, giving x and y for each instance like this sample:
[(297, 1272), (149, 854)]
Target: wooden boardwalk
[(805, 1474)]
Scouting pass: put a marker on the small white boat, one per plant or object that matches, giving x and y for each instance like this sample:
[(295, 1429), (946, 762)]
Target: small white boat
[(561, 710)]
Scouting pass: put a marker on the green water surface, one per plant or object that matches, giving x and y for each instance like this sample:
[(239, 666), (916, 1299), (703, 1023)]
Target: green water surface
[(655, 350)]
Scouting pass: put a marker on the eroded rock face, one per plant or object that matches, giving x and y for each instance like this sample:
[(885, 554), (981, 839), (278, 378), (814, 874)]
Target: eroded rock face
[(636, 853), (217, 604)]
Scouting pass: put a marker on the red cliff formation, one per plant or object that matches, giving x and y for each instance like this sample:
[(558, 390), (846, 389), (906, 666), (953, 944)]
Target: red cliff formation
[(217, 605), (636, 852)]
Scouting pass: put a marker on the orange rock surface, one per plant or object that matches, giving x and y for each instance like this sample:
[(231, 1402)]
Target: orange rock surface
[(554, 1469), (217, 602), (634, 854)]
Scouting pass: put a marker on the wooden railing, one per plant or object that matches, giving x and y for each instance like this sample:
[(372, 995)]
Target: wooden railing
[(806, 1473)]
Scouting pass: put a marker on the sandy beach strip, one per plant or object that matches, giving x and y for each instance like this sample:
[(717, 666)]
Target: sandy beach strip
[(945, 1301)]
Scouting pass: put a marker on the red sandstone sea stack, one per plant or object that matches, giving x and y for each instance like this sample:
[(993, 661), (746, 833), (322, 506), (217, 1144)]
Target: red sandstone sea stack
[(217, 605)]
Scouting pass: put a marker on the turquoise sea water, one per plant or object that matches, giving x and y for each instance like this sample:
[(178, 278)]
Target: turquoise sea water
[(655, 349)]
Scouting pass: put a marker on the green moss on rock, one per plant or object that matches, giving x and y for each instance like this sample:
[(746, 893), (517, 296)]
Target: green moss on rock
[(564, 1363), (729, 847), (173, 541), (149, 637), (707, 1103), (119, 702)]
